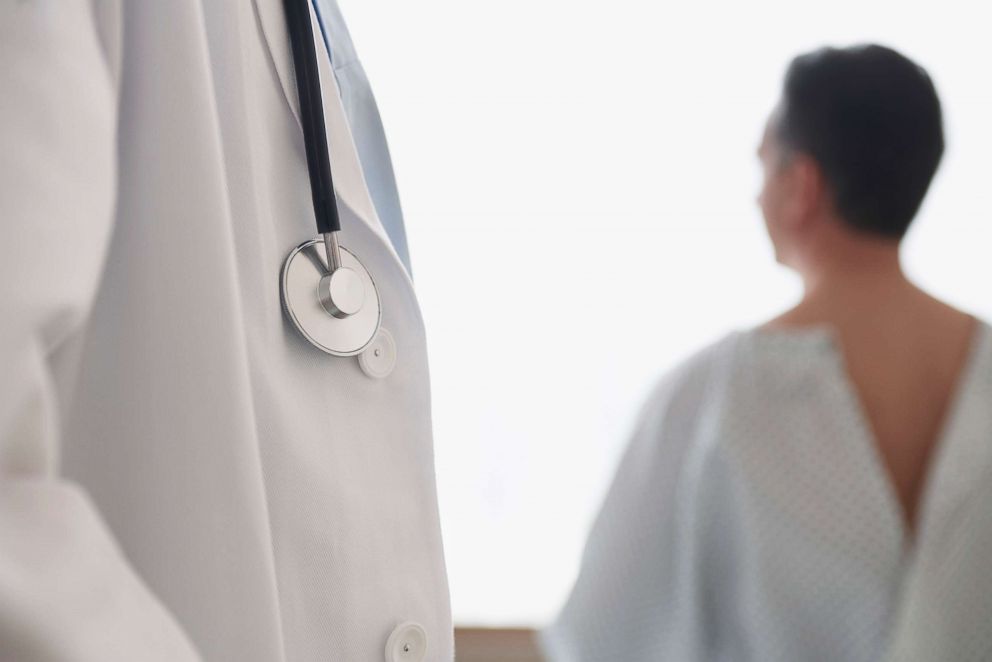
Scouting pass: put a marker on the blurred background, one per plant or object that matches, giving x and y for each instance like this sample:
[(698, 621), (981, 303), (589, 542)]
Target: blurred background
[(579, 180)]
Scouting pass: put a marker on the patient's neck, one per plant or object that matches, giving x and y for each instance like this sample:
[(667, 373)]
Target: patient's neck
[(854, 278)]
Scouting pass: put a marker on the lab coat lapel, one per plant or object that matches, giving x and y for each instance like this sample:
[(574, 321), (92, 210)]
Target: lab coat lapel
[(349, 181)]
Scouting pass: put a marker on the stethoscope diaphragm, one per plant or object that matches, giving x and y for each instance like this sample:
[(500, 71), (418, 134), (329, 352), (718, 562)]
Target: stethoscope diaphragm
[(308, 290)]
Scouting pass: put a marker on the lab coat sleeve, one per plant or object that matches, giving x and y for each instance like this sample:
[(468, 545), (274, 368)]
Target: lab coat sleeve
[(640, 593), (67, 594)]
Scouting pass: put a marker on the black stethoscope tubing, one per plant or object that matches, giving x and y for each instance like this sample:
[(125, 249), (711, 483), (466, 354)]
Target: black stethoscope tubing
[(325, 207)]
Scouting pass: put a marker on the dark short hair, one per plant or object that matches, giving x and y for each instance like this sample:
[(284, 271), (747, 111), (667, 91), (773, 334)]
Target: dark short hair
[(871, 119)]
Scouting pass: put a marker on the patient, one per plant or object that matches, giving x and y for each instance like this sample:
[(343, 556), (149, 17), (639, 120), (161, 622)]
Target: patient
[(820, 487)]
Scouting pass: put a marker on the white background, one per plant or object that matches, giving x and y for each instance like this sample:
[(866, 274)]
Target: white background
[(578, 180)]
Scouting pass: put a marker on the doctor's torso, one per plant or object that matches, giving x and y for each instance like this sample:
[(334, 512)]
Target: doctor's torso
[(279, 501)]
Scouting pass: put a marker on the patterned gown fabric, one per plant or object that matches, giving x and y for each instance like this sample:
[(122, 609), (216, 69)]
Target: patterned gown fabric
[(752, 519)]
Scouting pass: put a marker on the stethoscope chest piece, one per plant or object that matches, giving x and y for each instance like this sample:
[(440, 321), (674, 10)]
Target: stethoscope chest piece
[(338, 313)]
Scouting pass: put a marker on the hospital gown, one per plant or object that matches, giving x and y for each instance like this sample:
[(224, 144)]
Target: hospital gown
[(751, 518)]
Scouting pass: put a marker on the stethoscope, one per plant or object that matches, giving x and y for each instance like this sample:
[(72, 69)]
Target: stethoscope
[(328, 294)]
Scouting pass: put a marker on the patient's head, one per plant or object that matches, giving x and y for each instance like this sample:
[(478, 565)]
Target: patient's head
[(848, 153)]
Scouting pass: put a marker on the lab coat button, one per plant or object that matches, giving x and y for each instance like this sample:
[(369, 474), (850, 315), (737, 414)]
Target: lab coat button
[(379, 358), (407, 643)]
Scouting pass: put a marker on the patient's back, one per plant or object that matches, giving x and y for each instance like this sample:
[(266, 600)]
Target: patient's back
[(905, 359)]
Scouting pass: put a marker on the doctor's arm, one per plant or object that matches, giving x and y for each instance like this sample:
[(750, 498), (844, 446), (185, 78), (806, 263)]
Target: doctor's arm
[(67, 594)]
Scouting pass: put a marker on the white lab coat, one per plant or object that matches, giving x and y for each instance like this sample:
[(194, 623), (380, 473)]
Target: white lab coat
[(182, 476)]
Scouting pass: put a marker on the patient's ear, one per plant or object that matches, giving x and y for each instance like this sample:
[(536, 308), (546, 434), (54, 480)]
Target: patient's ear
[(807, 192)]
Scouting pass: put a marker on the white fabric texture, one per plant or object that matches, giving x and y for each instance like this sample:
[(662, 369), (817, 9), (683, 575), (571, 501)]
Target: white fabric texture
[(182, 476), (751, 518)]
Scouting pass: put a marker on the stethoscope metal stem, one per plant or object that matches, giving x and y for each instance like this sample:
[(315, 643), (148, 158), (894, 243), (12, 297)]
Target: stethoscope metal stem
[(333, 251)]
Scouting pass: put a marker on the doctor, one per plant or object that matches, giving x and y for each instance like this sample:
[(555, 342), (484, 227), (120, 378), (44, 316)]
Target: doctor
[(185, 473)]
